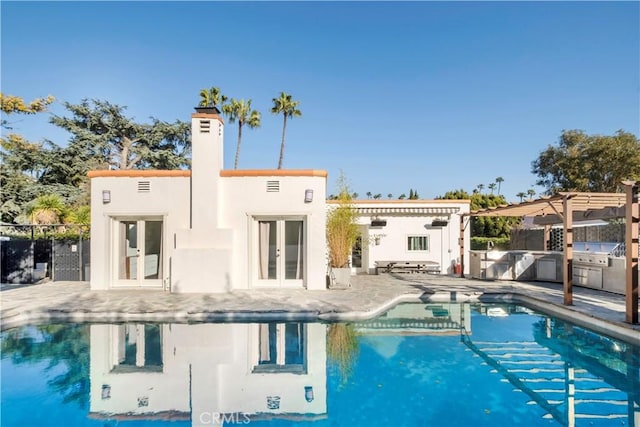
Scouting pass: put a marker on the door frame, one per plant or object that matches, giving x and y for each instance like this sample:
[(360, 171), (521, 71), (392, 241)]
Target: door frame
[(254, 258), (115, 247)]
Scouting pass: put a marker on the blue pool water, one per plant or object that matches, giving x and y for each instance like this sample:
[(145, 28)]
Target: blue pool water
[(417, 365)]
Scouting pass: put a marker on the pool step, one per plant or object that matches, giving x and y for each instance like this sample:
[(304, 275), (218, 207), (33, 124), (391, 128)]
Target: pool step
[(553, 383)]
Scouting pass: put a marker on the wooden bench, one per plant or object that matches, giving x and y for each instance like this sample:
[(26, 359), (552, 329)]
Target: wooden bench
[(407, 267)]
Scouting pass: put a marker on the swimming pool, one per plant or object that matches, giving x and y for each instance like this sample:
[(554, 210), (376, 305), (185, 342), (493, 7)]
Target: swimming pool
[(442, 364)]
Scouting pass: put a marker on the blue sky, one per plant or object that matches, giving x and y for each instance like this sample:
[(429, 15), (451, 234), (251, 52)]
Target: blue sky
[(432, 96)]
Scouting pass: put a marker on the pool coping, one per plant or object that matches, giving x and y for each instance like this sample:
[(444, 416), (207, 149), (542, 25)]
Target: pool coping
[(41, 315)]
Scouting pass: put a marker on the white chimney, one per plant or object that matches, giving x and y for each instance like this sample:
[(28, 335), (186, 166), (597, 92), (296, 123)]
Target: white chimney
[(206, 162)]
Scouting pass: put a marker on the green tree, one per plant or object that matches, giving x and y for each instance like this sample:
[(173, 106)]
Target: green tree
[(402, 196), (30, 169), (480, 188), (377, 196), (389, 196), (101, 132), (240, 111), (80, 215), (46, 209), (499, 181), (369, 194), (590, 163), (484, 226), (492, 187), (531, 192), (286, 106), (521, 195), (10, 104), (212, 97)]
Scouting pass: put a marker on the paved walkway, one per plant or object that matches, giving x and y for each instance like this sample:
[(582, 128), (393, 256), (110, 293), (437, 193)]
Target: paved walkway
[(369, 296)]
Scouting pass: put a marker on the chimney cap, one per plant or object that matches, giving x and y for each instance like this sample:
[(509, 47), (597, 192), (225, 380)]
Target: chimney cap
[(210, 109)]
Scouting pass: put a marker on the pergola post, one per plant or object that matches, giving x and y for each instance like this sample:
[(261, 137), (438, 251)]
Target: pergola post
[(632, 222), (461, 245), (546, 246), (567, 272)]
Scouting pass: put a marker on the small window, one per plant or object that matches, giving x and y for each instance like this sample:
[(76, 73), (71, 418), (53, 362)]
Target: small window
[(417, 243)]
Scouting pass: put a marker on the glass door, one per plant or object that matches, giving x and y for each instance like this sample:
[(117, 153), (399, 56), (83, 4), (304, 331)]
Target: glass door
[(139, 253), (280, 252)]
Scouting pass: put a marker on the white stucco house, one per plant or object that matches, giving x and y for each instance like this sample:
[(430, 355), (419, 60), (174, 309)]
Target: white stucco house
[(208, 229), (214, 230), (412, 231)]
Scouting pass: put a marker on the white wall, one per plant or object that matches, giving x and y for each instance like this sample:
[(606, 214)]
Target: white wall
[(412, 218), (247, 197), (167, 198)]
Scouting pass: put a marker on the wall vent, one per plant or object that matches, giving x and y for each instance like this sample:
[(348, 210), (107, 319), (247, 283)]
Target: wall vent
[(205, 126), (144, 186), (273, 186)]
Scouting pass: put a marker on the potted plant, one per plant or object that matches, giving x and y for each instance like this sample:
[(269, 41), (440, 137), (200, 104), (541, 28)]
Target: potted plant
[(342, 232)]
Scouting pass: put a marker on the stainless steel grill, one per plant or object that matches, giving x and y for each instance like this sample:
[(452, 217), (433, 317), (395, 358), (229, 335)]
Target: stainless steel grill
[(593, 263)]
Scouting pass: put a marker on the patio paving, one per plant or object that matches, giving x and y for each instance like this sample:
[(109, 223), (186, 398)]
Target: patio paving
[(369, 295)]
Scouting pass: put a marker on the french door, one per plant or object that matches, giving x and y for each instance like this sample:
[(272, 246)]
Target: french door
[(138, 252), (280, 252)]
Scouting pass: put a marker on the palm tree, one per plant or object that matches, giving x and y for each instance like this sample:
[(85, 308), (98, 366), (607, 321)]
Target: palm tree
[(241, 111), (212, 97), (369, 194), (289, 108), (47, 209), (492, 187), (389, 196), (499, 180), (480, 187), (531, 192), (521, 195)]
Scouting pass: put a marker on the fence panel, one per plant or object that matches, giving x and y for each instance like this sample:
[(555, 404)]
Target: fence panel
[(17, 261), (67, 260), (24, 261)]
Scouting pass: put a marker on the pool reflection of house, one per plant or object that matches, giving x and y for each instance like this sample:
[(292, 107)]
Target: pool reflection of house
[(420, 319), (208, 372)]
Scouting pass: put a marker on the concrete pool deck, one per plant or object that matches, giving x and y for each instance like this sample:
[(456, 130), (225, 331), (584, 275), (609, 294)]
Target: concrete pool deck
[(368, 297)]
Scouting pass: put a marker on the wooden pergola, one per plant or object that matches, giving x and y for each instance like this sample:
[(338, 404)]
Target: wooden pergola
[(568, 207)]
